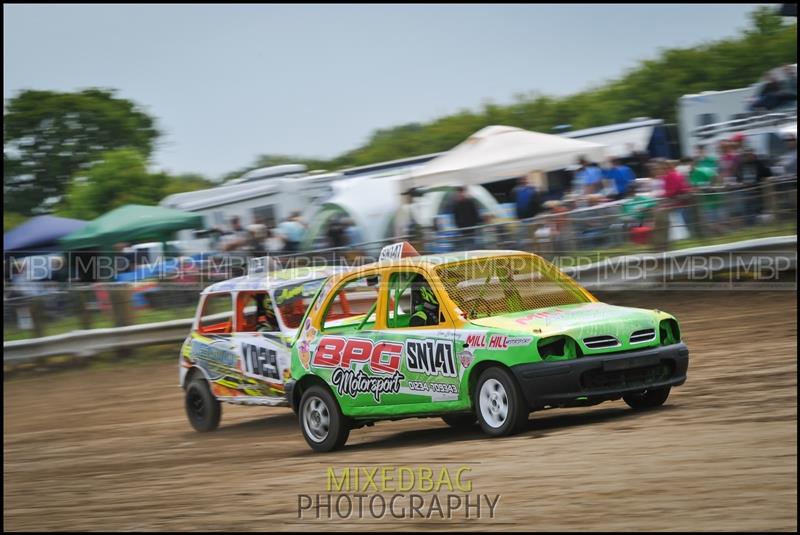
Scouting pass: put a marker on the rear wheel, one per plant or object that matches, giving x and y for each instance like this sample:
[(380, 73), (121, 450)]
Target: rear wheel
[(499, 403), (647, 399), (459, 421), (324, 426), (202, 408)]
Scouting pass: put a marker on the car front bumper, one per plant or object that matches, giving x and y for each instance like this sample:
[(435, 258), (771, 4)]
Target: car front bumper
[(596, 378)]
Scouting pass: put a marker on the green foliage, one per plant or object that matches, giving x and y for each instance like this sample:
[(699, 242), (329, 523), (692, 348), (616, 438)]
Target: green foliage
[(12, 220), (49, 136), (651, 89), (120, 177)]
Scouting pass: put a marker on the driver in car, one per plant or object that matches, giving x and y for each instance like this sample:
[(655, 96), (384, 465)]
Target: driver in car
[(265, 317), (424, 304)]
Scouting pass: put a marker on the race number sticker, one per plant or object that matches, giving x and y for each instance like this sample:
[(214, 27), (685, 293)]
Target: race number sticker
[(431, 357), (260, 361)]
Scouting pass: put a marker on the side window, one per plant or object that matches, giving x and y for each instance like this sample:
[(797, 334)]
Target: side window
[(292, 301), (705, 119), (411, 302), (353, 306), (255, 313), (217, 316)]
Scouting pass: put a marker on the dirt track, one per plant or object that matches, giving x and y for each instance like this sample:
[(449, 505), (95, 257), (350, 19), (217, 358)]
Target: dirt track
[(111, 449)]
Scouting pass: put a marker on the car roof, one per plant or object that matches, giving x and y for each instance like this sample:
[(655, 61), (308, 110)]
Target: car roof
[(274, 279), (434, 260)]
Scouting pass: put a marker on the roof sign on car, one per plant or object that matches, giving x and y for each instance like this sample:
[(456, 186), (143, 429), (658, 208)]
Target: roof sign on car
[(396, 251)]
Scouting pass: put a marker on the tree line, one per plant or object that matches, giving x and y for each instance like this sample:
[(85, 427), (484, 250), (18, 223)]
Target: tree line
[(81, 154)]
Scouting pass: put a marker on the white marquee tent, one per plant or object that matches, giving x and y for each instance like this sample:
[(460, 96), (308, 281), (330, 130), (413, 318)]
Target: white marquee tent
[(500, 152)]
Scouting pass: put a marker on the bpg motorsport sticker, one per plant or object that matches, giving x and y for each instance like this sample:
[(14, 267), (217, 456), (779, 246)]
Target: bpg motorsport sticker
[(433, 358), (382, 357)]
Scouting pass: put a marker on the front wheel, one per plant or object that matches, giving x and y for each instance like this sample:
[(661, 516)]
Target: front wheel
[(499, 403), (202, 408), (648, 399), (321, 420)]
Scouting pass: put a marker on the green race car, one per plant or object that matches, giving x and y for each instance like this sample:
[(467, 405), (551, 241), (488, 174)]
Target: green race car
[(482, 336)]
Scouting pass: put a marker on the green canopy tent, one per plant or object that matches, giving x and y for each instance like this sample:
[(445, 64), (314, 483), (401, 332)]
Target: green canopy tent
[(131, 223)]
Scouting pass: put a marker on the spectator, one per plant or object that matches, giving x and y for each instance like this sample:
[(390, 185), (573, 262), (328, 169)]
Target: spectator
[(703, 178), (788, 91), (636, 160), (622, 176), (292, 229), (788, 162), (589, 177), (255, 238), (466, 215), (236, 237), (556, 225), (594, 229), (675, 186), (752, 173), (769, 96), (677, 195), (352, 232), (273, 243), (637, 207), (752, 170), (705, 160), (405, 224), (336, 232), (729, 162), (685, 166), (527, 200)]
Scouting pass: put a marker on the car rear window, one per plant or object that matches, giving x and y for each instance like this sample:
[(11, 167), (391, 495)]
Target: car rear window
[(217, 314)]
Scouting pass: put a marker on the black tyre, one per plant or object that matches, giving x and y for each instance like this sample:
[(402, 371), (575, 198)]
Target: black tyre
[(499, 403), (460, 421), (324, 426), (202, 408), (648, 399)]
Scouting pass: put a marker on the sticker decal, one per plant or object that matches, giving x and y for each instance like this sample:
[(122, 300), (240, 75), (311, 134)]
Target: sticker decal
[(352, 383), (466, 357), (260, 361), (431, 357)]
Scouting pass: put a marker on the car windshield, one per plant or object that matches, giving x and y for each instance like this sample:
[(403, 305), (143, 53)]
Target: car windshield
[(501, 285), (291, 301)]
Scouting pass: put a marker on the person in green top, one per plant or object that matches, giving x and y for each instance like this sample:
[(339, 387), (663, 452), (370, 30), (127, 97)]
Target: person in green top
[(703, 159), (703, 177), (637, 207)]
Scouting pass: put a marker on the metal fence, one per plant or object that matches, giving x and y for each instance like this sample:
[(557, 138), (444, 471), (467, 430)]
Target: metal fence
[(600, 229)]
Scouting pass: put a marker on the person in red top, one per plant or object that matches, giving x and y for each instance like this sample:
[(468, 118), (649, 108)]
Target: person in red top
[(675, 185), (677, 194)]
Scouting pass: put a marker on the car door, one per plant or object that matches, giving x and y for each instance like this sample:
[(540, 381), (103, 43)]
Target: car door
[(259, 342), (349, 352), (212, 348), (414, 316)]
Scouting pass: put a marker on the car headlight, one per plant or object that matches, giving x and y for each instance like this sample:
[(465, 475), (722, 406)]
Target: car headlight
[(669, 332), (558, 348)]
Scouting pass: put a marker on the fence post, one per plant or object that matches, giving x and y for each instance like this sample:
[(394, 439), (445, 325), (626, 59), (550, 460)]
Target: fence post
[(84, 314), (37, 316), (661, 228), (120, 297)]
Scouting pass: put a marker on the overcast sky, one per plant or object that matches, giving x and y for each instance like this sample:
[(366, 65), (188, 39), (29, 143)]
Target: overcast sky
[(229, 82)]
